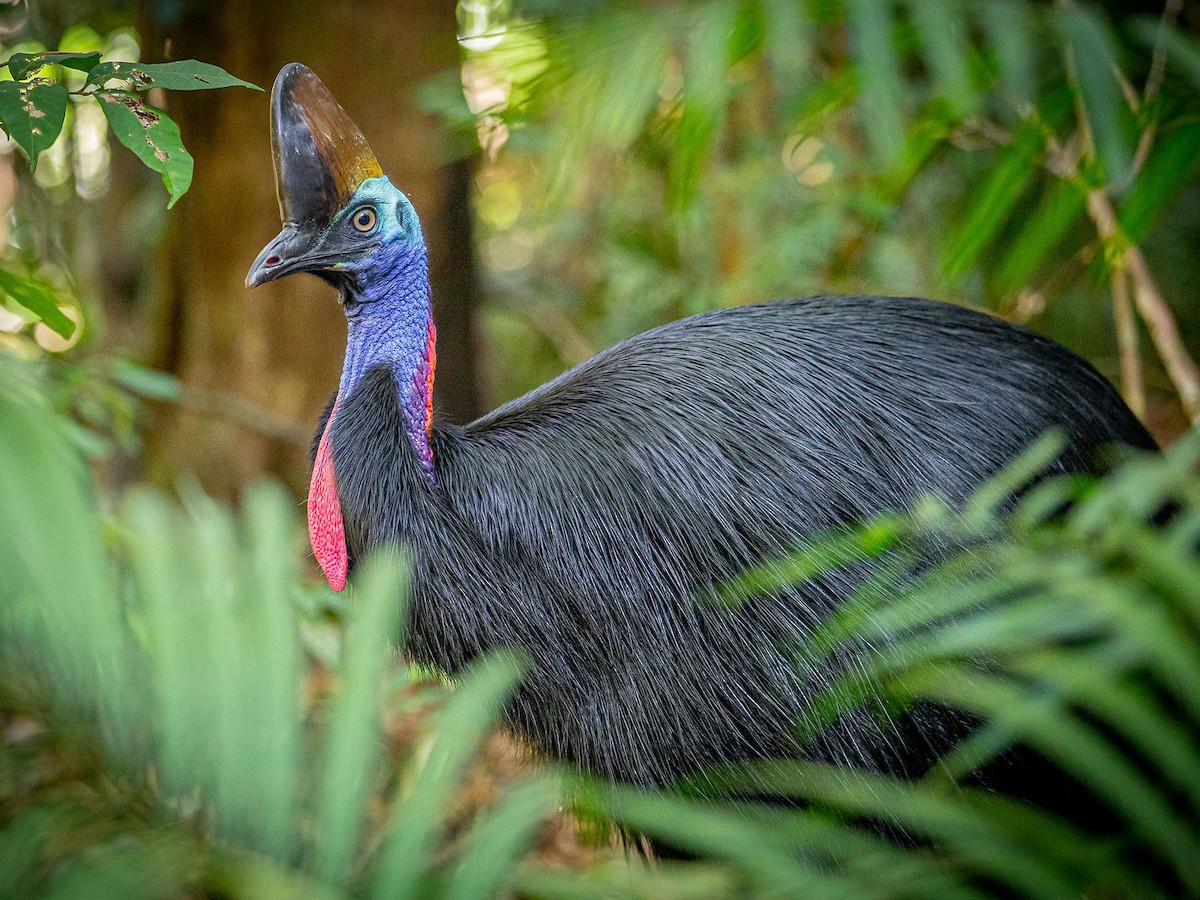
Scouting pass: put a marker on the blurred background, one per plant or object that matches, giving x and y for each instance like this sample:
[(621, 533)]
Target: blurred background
[(585, 170), (185, 711)]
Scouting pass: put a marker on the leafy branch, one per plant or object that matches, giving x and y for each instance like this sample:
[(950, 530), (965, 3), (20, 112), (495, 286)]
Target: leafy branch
[(33, 110)]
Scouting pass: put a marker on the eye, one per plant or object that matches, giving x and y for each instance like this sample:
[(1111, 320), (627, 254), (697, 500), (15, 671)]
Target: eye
[(364, 219)]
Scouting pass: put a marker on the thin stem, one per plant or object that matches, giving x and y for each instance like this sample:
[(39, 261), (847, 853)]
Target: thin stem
[(1150, 304), (1133, 387), (1154, 81), (1158, 62)]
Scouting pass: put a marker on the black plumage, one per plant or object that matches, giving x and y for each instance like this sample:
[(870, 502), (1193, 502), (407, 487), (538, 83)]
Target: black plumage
[(589, 521), (592, 522)]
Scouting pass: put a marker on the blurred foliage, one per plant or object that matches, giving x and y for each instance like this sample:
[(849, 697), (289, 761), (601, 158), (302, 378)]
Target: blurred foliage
[(58, 105), (181, 714), (35, 93), (648, 161)]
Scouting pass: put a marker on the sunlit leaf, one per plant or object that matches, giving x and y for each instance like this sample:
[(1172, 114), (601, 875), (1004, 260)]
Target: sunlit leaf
[(40, 299), (152, 136), (32, 115), (181, 75), (22, 65)]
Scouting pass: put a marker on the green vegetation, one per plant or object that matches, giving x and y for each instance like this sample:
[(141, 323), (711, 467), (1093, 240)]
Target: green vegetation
[(1021, 157), (184, 712), (156, 664)]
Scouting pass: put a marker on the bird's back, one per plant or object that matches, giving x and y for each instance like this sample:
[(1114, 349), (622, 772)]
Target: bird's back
[(610, 502)]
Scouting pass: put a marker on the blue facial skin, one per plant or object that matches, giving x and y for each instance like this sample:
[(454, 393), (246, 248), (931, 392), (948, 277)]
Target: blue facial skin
[(382, 273)]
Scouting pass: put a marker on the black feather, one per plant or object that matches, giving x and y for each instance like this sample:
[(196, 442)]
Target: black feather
[(589, 521)]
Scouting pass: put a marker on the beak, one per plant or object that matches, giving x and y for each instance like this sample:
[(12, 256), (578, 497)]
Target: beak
[(284, 255), (321, 159)]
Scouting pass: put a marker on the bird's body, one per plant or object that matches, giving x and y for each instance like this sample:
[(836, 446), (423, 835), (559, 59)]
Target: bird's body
[(592, 522)]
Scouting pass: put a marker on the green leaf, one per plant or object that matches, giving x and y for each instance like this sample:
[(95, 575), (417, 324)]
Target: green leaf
[(1060, 208), (39, 299), (949, 819), (418, 819), (351, 739), (32, 115), (1182, 49), (182, 75), (704, 99), (1010, 35), (22, 65), (144, 381), (1108, 117), (943, 33), (1160, 183), (500, 840), (152, 136), (759, 852), (880, 78), (994, 201)]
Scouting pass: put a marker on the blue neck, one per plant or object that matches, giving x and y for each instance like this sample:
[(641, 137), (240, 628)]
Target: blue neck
[(389, 317)]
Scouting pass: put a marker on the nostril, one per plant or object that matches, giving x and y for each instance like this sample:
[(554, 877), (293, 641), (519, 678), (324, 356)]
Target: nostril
[(271, 260)]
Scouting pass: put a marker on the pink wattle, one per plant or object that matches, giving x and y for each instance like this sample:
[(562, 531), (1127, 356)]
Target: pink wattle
[(326, 532)]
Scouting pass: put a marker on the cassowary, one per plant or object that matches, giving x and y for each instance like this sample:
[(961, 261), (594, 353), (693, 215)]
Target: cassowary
[(592, 521)]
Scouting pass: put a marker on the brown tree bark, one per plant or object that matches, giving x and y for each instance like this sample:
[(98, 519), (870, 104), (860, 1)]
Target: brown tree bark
[(279, 347)]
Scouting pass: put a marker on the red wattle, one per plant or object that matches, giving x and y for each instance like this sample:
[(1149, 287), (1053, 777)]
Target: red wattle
[(326, 532)]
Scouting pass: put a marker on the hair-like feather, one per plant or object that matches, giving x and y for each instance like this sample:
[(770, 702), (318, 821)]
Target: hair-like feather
[(589, 522)]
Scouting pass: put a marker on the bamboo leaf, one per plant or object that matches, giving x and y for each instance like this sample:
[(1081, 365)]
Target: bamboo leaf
[(1108, 117), (942, 29), (870, 24), (993, 202), (1183, 50), (1174, 161), (1009, 28), (1061, 206)]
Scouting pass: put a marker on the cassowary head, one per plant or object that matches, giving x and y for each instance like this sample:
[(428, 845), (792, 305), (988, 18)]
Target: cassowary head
[(343, 220)]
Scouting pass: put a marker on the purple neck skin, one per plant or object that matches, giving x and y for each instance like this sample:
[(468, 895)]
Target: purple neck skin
[(390, 321)]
